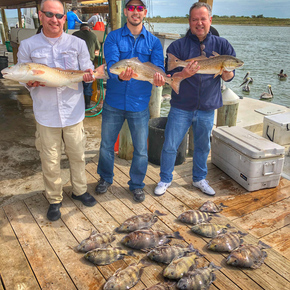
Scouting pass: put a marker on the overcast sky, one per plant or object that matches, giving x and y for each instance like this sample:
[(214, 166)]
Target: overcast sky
[(269, 8), (166, 8)]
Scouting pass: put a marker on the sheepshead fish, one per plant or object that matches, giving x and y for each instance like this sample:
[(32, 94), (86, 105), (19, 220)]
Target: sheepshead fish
[(194, 217), (48, 76), (144, 71), (198, 279), (210, 206), (180, 266), (138, 222), (165, 254), (215, 64), (248, 256), (162, 286), (106, 256), (209, 230), (126, 278), (146, 239), (226, 242), (95, 240)]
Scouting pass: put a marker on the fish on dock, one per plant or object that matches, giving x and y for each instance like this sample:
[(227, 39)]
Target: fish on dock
[(180, 266), (209, 230), (210, 206), (215, 64), (162, 286), (95, 240), (138, 222), (268, 95), (248, 256), (147, 239), (226, 242), (48, 76), (126, 278), (199, 279), (165, 254), (194, 217), (145, 72), (106, 256)]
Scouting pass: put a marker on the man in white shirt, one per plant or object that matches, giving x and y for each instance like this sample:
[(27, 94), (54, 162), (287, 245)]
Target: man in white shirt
[(59, 112)]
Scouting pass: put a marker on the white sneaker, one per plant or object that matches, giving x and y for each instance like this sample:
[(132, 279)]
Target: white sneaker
[(161, 187), (204, 187)]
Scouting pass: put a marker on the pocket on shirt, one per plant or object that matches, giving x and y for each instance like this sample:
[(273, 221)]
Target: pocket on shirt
[(40, 56), (144, 53), (69, 59)]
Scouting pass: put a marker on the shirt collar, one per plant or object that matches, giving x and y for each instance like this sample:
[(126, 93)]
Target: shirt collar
[(126, 30)]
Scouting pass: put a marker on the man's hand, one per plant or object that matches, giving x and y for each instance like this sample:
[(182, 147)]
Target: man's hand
[(89, 77), (191, 69), (127, 74), (227, 75), (158, 80), (34, 84)]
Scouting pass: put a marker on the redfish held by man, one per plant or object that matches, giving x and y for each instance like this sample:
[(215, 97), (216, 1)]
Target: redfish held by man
[(215, 64), (49, 76), (144, 71)]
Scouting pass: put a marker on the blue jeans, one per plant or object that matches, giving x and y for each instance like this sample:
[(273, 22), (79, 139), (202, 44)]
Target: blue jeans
[(88, 90), (178, 123), (112, 121)]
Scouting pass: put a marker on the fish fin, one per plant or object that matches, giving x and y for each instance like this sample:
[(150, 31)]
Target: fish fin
[(38, 72), (212, 265), (192, 267), (100, 72), (219, 73), (74, 86), (263, 245), (175, 83), (221, 204), (229, 226), (131, 253), (172, 62), (135, 75), (145, 261), (157, 212), (191, 247), (178, 236), (215, 53), (242, 234), (201, 57)]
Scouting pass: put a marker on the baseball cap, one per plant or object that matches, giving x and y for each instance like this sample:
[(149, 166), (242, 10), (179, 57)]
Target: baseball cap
[(143, 2)]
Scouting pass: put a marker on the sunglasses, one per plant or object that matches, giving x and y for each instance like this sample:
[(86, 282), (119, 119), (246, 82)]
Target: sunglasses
[(202, 47), (50, 14), (132, 8)]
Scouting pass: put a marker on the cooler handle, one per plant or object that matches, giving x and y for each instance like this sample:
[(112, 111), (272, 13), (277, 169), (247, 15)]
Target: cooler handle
[(287, 127), (274, 164), (271, 139)]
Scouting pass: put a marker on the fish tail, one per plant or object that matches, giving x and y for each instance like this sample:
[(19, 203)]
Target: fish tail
[(172, 62), (100, 72), (177, 235), (213, 266), (175, 84), (145, 262), (191, 248)]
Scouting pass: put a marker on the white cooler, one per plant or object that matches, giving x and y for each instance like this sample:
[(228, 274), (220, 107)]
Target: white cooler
[(277, 128), (251, 160)]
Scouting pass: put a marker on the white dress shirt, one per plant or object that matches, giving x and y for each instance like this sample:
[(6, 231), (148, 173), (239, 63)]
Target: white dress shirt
[(57, 107)]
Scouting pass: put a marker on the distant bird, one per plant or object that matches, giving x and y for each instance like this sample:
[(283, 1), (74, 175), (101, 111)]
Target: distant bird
[(245, 78), (268, 95), (246, 87), (282, 76)]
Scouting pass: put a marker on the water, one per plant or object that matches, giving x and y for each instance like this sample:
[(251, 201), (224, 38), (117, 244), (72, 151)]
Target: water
[(264, 50)]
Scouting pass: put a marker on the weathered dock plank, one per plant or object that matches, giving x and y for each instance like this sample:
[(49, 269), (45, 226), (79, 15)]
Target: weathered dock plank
[(12, 257)]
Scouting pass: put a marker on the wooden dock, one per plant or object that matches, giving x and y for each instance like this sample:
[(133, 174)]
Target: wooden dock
[(38, 254)]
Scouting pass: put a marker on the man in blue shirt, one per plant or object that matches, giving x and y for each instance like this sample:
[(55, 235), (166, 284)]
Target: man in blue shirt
[(199, 96), (127, 98), (72, 18)]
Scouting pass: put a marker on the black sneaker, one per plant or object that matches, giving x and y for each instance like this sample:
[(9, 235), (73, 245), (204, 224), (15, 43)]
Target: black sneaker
[(53, 213), (85, 198), (138, 194), (102, 186)]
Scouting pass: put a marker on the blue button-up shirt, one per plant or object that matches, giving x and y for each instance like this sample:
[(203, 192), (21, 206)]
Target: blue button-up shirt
[(133, 95)]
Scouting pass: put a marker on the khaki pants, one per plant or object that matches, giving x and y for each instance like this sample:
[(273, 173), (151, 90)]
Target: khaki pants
[(49, 144)]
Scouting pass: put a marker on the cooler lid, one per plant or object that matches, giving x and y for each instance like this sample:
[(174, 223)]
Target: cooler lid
[(282, 119), (247, 142)]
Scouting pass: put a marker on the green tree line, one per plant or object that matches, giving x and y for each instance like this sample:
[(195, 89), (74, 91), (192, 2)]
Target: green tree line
[(230, 20)]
